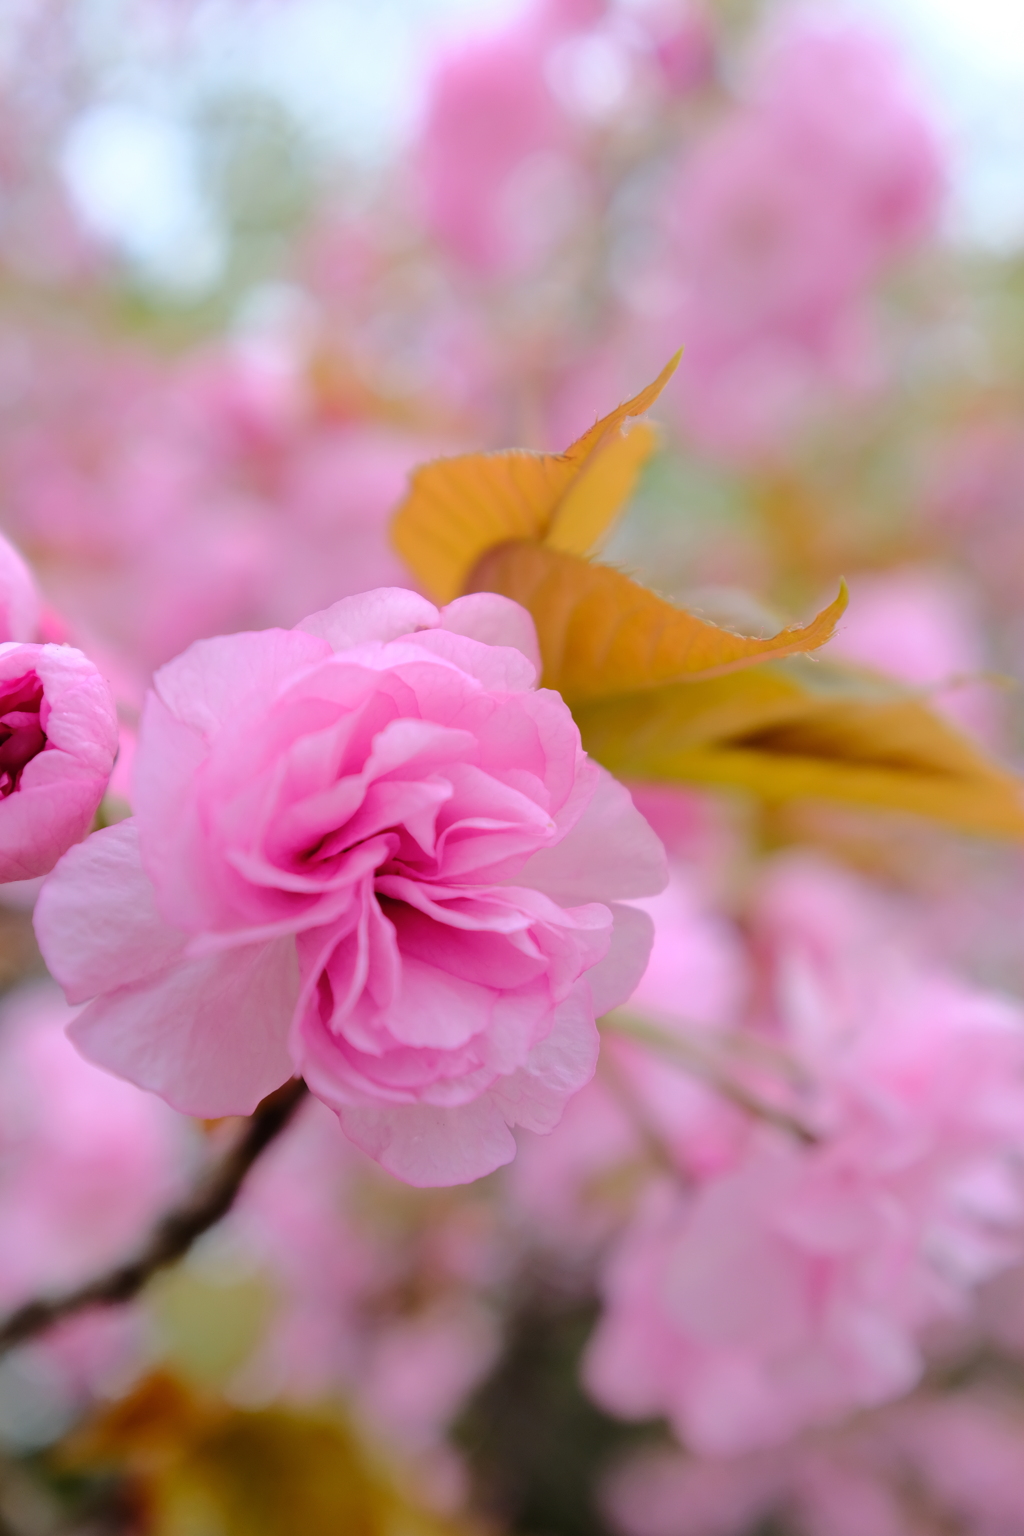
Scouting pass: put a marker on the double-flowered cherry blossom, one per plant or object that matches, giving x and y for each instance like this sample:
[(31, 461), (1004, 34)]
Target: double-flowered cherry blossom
[(370, 851), (792, 1285)]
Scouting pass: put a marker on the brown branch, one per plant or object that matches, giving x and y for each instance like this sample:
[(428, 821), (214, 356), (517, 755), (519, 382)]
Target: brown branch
[(172, 1237)]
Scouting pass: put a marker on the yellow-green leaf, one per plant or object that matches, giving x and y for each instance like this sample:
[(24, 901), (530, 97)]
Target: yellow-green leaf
[(807, 730), (604, 485), (602, 633), (457, 508)]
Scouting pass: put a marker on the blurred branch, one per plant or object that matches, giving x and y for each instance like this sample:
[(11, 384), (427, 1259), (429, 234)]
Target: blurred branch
[(172, 1237), (693, 1057)]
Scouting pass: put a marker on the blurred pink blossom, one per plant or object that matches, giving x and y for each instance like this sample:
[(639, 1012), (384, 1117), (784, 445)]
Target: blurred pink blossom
[(935, 1465), (563, 1186), (164, 503), (793, 1285), (780, 223), (496, 163), (86, 1161), (366, 1304), (365, 850), (920, 626)]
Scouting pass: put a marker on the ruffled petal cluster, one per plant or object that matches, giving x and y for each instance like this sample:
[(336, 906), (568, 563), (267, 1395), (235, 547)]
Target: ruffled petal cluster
[(371, 852), (793, 1282)]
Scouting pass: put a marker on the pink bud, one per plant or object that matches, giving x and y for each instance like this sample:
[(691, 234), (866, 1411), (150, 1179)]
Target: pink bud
[(58, 738)]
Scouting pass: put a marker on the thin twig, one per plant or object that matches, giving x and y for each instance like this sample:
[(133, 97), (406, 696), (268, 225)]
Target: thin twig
[(690, 1056), (633, 1108), (172, 1237)]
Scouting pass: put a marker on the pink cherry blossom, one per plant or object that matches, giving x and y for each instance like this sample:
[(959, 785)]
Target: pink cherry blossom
[(792, 1284), (495, 163), (779, 223), (164, 502), (368, 851), (58, 737), (937, 1464), (921, 626), (563, 1185)]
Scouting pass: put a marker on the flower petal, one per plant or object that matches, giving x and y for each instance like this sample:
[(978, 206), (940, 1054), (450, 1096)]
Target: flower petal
[(614, 978), (495, 620), (96, 918), (558, 1066), (208, 1035), (611, 854), (207, 683), (383, 614), (430, 1147)]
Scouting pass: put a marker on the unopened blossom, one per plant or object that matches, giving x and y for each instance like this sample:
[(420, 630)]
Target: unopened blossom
[(371, 852), (793, 1284), (58, 739)]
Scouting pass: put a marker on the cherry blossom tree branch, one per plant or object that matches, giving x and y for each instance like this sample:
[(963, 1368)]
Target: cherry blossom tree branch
[(211, 1198), (696, 1059)]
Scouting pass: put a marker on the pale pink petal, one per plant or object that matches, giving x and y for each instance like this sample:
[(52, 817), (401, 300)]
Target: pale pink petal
[(495, 620), (208, 1035), (209, 681), (96, 918), (384, 614), (170, 755), (430, 1147), (614, 979), (502, 668), (46, 816), (535, 1095), (611, 854)]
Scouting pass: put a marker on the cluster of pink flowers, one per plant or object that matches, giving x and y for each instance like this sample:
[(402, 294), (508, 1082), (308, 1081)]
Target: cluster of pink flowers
[(793, 1282), (936, 1465), (778, 228), (166, 502)]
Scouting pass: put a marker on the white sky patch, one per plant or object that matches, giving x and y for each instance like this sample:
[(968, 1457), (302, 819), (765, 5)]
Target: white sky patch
[(968, 56), (133, 174)]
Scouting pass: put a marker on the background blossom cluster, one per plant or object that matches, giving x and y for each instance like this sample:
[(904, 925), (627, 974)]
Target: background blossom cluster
[(663, 1168)]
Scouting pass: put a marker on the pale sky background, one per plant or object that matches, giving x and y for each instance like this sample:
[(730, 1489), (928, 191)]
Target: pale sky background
[(351, 71)]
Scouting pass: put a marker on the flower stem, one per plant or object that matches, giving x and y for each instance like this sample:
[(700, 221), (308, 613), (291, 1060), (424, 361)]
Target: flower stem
[(211, 1198)]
